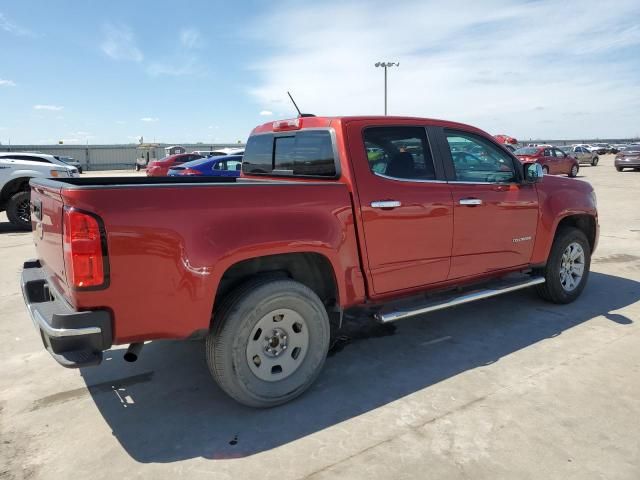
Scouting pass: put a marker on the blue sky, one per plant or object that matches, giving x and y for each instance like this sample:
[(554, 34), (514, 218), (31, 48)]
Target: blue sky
[(108, 72)]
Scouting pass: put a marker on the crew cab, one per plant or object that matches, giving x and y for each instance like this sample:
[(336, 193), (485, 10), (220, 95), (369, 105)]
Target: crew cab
[(390, 217), (16, 169)]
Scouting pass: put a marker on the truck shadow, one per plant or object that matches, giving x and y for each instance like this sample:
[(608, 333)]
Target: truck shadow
[(166, 407)]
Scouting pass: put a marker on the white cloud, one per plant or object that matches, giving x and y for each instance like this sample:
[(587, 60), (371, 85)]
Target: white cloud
[(51, 108), (10, 27), (149, 119), (120, 44), (7, 83), (266, 113), (486, 63), (190, 38), (179, 67)]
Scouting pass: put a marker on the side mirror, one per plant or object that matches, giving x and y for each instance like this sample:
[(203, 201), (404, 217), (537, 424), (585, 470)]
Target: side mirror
[(533, 172)]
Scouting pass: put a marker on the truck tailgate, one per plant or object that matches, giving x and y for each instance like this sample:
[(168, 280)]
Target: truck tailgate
[(46, 217)]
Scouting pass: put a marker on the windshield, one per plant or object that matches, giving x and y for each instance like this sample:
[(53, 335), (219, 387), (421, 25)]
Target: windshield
[(526, 151)]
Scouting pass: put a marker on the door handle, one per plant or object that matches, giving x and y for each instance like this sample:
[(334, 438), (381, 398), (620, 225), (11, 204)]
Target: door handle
[(386, 204), (470, 201)]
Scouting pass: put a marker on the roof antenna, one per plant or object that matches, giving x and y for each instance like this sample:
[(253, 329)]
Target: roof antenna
[(300, 114)]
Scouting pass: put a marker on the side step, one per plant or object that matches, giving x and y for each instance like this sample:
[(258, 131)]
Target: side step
[(459, 299)]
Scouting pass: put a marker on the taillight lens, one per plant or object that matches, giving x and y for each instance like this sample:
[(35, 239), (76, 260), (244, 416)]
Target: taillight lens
[(190, 171), (83, 254)]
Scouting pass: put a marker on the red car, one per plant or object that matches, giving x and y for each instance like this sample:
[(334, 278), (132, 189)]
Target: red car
[(331, 216), (553, 160), (160, 168)]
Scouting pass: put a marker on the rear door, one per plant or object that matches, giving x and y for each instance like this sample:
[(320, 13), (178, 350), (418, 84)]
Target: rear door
[(563, 161), (495, 214), (405, 205)]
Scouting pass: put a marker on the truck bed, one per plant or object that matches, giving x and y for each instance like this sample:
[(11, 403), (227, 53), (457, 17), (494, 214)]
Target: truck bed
[(170, 240)]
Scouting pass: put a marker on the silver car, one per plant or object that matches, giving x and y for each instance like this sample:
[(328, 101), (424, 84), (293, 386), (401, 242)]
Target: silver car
[(582, 154)]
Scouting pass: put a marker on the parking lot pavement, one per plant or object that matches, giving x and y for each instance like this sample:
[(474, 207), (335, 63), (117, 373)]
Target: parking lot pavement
[(511, 387)]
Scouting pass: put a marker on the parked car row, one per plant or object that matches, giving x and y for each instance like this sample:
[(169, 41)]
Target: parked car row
[(225, 162)]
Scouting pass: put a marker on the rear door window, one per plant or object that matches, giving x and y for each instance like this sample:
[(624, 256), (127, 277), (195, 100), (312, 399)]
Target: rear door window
[(399, 152), (307, 153)]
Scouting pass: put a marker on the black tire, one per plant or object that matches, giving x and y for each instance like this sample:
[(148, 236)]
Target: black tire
[(545, 169), (137, 167), (552, 290), (233, 324), (19, 210), (574, 171), (619, 169), (594, 161)]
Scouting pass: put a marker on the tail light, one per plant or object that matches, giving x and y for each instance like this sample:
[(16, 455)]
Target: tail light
[(85, 252), (190, 172)]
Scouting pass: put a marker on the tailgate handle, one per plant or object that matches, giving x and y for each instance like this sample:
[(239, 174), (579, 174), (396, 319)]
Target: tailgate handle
[(36, 209)]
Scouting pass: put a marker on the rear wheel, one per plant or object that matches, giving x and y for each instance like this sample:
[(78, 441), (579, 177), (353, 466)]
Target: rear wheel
[(594, 161), (567, 267), (545, 169), (269, 341), (19, 210), (574, 171), (137, 167)]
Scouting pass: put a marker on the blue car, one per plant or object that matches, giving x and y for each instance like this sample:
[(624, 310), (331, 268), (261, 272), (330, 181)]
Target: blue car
[(220, 166)]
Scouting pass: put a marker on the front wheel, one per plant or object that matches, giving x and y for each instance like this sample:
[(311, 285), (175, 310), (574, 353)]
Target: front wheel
[(269, 341), (574, 171), (594, 162), (19, 210), (619, 169), (567, 267)]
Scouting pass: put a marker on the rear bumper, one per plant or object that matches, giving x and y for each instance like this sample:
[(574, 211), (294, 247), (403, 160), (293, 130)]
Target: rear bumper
[(633, 162), (74, 339)]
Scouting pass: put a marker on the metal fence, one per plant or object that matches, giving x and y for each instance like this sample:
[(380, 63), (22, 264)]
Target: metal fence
[(108, 157)]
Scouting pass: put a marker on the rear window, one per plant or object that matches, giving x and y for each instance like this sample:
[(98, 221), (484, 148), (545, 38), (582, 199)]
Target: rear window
[(306, 153)]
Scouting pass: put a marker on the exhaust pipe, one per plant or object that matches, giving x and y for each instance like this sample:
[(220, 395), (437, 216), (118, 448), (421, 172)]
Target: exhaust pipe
[(133, 352)]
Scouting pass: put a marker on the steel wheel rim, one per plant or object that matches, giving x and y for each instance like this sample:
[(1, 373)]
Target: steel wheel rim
[(278, 345), (23, 211), (572, 266)]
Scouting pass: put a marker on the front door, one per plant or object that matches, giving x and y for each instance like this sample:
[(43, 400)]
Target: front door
[(495, 214), (406, 208)]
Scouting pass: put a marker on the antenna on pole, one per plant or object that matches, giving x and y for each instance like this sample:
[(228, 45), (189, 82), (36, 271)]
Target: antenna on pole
[(294, 104)]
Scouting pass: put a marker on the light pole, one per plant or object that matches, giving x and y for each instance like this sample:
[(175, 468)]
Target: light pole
[(386, 65)]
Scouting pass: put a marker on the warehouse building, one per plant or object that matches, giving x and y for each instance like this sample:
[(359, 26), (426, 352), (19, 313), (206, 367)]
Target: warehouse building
[(111, 157)]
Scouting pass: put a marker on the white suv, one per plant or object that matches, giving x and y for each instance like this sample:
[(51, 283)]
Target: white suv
[(16, 169)]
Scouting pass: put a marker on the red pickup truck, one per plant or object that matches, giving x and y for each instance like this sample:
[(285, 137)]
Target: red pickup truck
[(388, 216)]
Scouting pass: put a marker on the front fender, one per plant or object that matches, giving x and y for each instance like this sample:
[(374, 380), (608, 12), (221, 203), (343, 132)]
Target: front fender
[(560, 198)]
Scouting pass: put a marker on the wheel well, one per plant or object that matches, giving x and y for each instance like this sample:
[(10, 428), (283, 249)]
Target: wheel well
[(14, 186), (586, 223), (310, 269)]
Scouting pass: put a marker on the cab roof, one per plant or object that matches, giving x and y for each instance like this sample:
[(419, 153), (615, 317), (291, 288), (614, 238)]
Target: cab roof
[(326, 122)]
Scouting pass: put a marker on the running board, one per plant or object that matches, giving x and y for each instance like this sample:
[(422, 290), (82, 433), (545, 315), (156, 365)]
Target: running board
[(441, 304)]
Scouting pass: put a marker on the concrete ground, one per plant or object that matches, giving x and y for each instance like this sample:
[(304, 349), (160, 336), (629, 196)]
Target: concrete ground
[(511, 387)]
